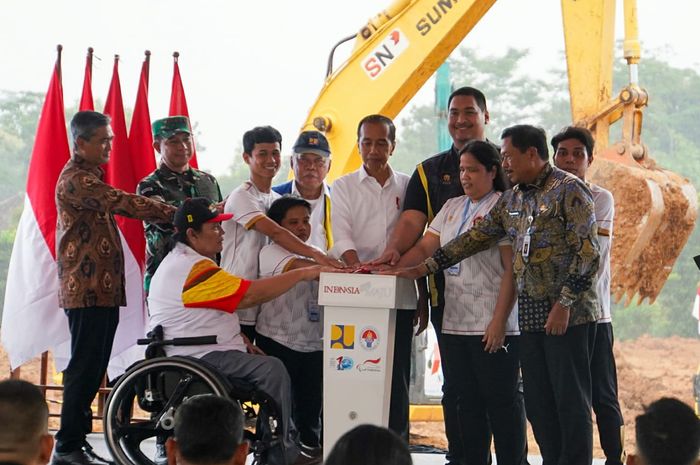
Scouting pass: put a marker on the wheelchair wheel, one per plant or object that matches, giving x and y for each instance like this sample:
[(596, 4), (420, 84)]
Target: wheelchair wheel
[(142, 404)]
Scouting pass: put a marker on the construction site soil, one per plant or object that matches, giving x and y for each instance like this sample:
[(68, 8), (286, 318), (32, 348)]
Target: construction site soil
[(648, 368)]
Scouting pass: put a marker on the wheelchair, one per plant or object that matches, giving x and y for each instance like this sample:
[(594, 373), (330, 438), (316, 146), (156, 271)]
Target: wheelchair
[(144, 400)]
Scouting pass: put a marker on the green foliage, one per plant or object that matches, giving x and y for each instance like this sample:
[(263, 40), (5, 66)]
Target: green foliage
[(19, 114), (7, 239), (238, 172), (670, 132), (513, 97), (416, 139)]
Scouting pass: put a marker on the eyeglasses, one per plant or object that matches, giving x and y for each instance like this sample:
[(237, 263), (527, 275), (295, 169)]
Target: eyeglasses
[(306, 162)]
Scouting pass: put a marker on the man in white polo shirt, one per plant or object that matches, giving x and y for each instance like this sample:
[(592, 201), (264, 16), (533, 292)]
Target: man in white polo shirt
[(251, 228), (290, 327), (573, 152), (366, 205), (191, 295), (310, 163)]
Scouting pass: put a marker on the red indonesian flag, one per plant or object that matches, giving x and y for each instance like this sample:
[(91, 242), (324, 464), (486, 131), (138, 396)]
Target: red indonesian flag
[(32, 321), (86, 102), (178, 103), (143, 159), (120, 173)]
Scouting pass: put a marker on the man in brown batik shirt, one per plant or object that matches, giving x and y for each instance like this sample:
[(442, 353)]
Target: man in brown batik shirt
[(91, 275)]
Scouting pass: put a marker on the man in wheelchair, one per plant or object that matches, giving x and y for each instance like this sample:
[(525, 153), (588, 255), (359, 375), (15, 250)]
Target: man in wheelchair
[(192, 296)]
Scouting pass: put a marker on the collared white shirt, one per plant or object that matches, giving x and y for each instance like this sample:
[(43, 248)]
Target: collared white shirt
[(472, 286), (293, 319), (167, 306), (604, 214), (318, 216), (364, 213), (242, 244)]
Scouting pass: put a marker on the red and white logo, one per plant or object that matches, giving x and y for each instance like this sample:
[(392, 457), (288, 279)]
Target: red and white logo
[(385, 54), (373, 365), (369, 338)]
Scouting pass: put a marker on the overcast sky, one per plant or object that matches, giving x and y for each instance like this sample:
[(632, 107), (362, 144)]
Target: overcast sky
[(263, 62)]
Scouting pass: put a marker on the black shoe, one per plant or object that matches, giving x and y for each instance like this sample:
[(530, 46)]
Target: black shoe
[(305, 459), (161, 457), (311, 451), (83, 456)]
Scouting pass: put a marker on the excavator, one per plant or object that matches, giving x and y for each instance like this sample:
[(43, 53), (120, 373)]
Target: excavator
[(401, 47)]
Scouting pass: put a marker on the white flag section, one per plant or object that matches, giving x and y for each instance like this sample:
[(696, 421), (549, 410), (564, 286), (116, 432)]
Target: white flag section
[(132, 318), (32, 321), (696, 307)]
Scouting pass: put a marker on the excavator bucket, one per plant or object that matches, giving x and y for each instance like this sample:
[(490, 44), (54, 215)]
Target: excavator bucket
[(655, 209), (655, 212)]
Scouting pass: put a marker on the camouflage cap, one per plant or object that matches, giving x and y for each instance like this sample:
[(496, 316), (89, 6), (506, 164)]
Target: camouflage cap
[(166, 128)]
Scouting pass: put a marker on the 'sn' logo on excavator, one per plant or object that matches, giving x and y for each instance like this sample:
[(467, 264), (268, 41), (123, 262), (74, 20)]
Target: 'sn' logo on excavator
[(384, 54)]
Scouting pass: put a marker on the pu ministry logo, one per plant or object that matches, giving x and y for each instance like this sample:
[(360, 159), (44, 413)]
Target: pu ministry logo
[(342, 336)]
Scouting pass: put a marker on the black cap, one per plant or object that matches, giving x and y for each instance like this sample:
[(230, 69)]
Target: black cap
[(193, 213), (312, 142)]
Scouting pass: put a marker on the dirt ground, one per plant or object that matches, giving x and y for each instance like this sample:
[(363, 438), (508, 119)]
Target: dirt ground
[(648, 368)]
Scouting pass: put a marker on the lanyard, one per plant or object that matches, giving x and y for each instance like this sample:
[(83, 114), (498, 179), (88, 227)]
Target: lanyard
[(467, 216)]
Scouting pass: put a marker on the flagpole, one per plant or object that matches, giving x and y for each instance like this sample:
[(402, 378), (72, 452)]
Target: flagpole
[(86, 101), (178, 103), (148, 65), (59, 49)]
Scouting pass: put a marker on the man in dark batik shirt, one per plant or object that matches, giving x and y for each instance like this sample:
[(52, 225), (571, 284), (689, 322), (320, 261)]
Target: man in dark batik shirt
[(173, 182), (91, 278), (549, 217)]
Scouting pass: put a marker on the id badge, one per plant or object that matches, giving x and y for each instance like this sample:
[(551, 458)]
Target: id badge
[(314, 310), (526, 247), (454, 270)]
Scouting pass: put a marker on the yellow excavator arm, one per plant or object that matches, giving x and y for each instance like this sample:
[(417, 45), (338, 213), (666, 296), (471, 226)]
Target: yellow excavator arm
[(655, 209), (397, 51)]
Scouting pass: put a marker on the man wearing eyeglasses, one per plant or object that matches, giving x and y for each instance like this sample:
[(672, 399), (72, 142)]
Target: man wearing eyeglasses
[(310, 162)]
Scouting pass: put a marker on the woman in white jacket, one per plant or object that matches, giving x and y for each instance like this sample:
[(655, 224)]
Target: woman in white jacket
[(480, 322)]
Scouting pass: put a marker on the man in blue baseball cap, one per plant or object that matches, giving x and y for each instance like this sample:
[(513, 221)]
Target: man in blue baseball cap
[(310, 163)]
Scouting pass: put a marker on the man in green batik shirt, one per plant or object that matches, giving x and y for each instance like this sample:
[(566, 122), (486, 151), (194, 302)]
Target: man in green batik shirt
[(549, 218), (172, 182)]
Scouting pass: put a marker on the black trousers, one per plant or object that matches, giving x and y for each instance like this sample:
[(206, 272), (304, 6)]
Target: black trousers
[(606, 406), (557, 382), (488, 401), (399, 405), (306, 374), (92, 334), (250, 332), (455, 452)]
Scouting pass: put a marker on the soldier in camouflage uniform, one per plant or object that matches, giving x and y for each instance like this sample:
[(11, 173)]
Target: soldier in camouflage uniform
[(172, 182)]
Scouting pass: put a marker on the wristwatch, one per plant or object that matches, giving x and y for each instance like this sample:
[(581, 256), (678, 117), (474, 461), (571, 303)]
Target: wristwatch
[(566, 301)]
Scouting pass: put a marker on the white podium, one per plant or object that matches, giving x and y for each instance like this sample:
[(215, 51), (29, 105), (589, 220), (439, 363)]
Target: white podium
[(359, 319)]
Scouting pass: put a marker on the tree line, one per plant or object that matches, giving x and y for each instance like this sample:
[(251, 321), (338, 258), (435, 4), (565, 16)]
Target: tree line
[(670, 132)]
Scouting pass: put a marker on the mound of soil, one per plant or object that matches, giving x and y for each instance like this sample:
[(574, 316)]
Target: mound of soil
[(648, 368)]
